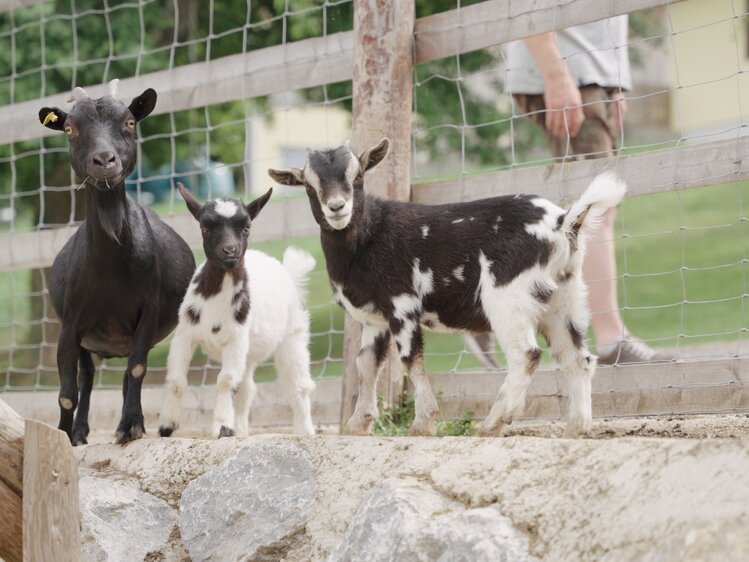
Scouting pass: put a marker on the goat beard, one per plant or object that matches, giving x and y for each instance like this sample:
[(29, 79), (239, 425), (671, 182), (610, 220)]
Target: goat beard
[(111, 213)]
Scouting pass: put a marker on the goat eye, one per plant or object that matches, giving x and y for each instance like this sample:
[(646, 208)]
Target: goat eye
[(204, 230), (130, 123), (247, 229), (68, 130)]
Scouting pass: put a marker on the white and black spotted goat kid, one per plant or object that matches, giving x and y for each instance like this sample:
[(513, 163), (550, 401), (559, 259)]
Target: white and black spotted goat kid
[(242, 307), (510, 265)]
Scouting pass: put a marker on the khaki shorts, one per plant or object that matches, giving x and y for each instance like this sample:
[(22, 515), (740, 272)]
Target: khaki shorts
[(598, 135)]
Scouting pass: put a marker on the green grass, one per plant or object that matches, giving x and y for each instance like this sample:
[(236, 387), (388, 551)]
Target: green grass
[(682, 253)]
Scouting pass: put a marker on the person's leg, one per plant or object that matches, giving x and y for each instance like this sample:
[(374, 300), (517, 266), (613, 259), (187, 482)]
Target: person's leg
[(599, 272), (596, 139)]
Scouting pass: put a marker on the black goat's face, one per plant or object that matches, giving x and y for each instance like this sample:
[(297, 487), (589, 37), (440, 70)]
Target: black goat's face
[(332, 177), (225, 225), (101, 133)]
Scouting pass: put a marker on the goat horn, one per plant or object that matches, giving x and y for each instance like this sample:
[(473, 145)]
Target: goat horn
[(113, 87), (77, 94)]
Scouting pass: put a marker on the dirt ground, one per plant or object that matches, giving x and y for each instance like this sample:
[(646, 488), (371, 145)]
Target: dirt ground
[(705, 426)]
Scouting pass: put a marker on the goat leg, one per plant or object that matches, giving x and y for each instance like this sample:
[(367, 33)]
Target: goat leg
[(369, 363), (67, 365), (85, 382), (131, 424)]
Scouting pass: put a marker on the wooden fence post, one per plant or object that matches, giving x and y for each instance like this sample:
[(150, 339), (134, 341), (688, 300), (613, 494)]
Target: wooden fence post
[(382, 105), (51, 515), (11, 483)]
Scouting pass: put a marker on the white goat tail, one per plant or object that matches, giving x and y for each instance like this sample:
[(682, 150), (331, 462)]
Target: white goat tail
[(298, 264), (604, 192)]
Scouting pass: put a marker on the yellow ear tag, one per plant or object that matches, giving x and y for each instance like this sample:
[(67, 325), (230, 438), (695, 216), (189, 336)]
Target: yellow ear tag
[(51, 116)]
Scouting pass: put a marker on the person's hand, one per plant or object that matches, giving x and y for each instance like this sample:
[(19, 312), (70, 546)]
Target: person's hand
[(564, 111), (621, 109)]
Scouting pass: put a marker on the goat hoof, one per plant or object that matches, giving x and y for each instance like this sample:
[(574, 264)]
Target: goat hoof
[(422, 430), (78, 440), (490, 431), (225, 432), (129, 431), (166, 431)]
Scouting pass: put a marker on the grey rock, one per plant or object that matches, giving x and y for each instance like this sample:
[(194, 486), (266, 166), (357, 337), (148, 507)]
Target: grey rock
[(119, 520), (406, 520), (254, 504)]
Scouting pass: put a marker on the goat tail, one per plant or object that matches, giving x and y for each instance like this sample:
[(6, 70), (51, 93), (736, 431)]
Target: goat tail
[(604, 192), (298, 264)]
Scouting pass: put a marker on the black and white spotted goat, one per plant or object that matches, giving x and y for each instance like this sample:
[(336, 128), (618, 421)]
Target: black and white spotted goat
[(242, 307), (117, 283), (510, 265)]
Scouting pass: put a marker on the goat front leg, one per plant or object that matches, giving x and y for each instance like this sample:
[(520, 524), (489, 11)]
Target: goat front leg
[(131, 426), (411, 348), (86, 372), (177, 365), (68, 351), (233, 366), (369, 363)]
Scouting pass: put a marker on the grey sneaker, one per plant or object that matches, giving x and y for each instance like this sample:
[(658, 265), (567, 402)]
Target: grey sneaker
[(632, 350)]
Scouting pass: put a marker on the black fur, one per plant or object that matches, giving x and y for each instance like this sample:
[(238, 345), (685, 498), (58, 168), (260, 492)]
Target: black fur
[(117, 283)]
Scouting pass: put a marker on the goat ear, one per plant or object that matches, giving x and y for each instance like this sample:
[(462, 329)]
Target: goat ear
[(52, 118), (254, 207), (373, 156), (192, 204), (289, 176), (142, 106)]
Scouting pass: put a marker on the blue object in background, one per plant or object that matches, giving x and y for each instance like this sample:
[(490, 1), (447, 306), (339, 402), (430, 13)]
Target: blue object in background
[(204, 177)]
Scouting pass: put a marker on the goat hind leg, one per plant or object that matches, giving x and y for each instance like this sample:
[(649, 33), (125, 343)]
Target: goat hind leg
[(523, 356), (292, 365), (568, 349)]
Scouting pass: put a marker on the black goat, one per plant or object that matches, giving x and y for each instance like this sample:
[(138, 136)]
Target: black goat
[(508, 264), (118, 282)]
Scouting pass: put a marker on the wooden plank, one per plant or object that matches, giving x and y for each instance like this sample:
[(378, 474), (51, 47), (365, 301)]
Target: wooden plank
[(11, 483), (497, 21), (51, 518), (381, 108), (648, 172), (324, 60), (287, 218), (690, 386), (291, 66), (9, 5)]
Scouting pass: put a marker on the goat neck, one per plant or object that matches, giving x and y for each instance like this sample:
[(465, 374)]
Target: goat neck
[(211, 278), (107, 217)]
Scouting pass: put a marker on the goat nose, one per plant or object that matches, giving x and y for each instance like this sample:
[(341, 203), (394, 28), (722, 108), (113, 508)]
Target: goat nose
[(229, 250), (103, 158), (336, 205)]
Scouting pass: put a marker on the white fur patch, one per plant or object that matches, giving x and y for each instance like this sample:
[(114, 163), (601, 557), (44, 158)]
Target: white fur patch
[(424, 231), (405, 305), (366, 314), (456, 221), (352, 169), (495, 226), (311, 177), (225, 208), (423, 281), (544, 228), (458, 273)]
